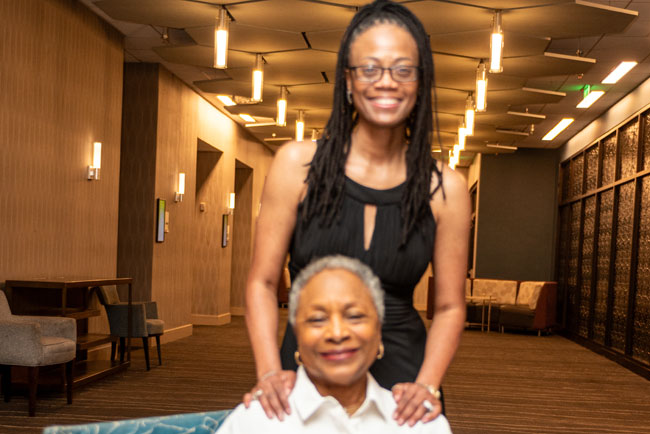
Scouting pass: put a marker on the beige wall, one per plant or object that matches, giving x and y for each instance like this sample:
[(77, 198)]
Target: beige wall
[(190, 270), (60, 90)]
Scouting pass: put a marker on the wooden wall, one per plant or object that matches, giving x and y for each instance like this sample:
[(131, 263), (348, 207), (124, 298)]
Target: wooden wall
[(60, 90), (604, 243)]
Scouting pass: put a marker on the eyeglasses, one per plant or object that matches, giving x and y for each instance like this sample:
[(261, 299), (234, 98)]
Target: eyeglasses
[(372, 73)]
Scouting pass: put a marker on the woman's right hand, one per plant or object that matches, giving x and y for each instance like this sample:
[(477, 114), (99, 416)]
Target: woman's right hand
[(272, 391)]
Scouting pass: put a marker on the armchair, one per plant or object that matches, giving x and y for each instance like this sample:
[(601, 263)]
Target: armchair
[(35, 341), (145, 321)]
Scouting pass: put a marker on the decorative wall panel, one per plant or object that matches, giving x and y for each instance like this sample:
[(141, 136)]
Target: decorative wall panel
[(602, 264), (628, 138), (591, 168), (563, 256), (586, 266), (645, 118), (609, 160), (576, 167), (641, 336), (613, 246), (625, 215), (572, 277)]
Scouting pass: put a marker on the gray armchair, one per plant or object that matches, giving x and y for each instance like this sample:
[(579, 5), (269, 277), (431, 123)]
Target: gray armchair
[(35, 341), (145, 322)]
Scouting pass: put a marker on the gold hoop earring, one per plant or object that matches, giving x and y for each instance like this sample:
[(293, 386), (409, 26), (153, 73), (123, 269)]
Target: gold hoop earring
[(297, 358), (380, 353), (348, 96)]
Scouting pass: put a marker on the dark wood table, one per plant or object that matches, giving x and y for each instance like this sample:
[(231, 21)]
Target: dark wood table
[(70, 297)]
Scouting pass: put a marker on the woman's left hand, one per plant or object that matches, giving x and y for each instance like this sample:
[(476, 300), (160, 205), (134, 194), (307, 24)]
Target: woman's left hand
[(411, 405)]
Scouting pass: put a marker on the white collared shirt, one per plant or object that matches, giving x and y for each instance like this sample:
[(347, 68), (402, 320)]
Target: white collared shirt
[(312, 413)]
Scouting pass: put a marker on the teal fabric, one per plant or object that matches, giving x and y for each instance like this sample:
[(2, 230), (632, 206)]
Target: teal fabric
[(195, 423)]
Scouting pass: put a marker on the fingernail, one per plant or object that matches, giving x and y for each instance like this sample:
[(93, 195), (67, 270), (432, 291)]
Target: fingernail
[(400, 421)]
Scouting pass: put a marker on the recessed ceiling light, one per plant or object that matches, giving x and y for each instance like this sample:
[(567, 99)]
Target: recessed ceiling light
[(247, 118), (622, 69), (558, 129), (226, 100)]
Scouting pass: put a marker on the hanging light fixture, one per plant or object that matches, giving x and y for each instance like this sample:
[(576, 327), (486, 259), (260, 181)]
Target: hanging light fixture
[(481, 87), (314, 135), (462, 133), (221, 39), (258, 78), (300, 126), (496, 44), (281, 119), (469, 115)]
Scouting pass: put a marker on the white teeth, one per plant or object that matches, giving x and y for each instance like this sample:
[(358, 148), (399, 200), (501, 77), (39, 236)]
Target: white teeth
[(386, 101)]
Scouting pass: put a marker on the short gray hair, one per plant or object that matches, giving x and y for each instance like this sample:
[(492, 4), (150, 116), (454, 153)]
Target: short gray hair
[(337, 262)]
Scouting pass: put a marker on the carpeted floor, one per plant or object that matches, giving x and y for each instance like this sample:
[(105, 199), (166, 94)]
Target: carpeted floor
[(498, 383)]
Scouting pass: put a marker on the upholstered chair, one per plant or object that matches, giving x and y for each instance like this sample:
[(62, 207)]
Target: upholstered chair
[(145, 322), (35, 341)]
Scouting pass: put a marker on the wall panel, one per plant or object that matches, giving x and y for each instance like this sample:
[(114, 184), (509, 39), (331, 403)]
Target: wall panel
[(54, 221), (605, 243)]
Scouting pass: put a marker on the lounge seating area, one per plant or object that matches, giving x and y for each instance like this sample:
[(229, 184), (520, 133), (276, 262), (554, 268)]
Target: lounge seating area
[(500, 304)]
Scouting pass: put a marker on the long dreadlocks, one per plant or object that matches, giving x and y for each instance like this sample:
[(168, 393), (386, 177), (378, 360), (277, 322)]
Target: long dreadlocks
[(326, 175)]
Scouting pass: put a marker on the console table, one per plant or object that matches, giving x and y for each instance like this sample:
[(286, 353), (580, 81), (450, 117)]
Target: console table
[(70, 297)]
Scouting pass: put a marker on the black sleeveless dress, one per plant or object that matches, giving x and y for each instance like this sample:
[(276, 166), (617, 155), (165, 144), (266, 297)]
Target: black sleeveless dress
[(399, 269)]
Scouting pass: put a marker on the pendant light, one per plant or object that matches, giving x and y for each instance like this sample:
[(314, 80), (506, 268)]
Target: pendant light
[(258, 78), (300, 126), (496, 44), (221, 40), (469, 115), (281, 118), (481, 87)]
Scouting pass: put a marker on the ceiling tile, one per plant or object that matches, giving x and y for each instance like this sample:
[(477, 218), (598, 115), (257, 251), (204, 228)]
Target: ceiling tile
[(476, 44), (250, 38), (568, 19), (200, 55), (304, 16), (547, 64)]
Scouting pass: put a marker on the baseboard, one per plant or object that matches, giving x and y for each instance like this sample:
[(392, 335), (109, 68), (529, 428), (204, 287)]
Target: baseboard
[(174, 334), (237, 311), (213, 320)]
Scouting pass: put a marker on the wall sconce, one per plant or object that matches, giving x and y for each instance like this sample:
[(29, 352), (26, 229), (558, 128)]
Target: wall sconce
[(231, 203), (95, 168), (221, 39), (181, 188)]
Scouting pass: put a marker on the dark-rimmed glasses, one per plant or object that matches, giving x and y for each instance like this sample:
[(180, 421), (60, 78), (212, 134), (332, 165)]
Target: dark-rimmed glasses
[(372, 73)]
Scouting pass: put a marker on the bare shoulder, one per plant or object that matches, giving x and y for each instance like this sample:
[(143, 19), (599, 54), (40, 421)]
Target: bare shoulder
[(296, 154), (456, 196), (286, 177)]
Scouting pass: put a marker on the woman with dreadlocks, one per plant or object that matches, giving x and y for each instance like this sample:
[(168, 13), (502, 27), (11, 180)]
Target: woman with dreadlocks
[(368, 189)]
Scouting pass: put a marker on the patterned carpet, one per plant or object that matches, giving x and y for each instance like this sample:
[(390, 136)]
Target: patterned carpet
[(498, 383)]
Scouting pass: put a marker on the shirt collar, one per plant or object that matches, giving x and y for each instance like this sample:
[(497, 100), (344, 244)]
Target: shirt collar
[(306, 400)]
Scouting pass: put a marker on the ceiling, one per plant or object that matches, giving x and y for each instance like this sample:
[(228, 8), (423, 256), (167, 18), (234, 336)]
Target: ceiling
[(552, 49)]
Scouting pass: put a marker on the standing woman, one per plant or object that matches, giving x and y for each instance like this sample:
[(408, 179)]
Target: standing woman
[(368, 189)]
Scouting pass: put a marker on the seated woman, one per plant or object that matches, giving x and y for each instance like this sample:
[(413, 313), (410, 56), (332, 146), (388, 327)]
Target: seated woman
[(336, 308)]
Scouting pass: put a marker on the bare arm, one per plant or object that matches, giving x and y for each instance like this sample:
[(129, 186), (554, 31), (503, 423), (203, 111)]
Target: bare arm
[(283, 190), (452, 216)]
